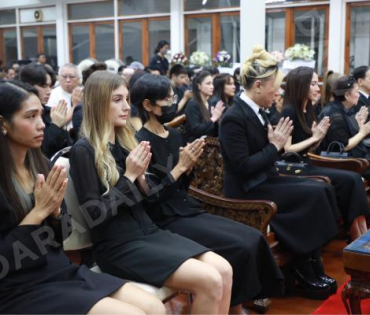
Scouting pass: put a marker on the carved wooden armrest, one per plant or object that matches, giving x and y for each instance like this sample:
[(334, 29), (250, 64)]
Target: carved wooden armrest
[(177, 121), (320, 178), (357, 165), (255, 213)]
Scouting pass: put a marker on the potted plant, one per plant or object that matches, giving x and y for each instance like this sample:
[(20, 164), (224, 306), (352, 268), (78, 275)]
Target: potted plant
[(200, 59), (297, 56)]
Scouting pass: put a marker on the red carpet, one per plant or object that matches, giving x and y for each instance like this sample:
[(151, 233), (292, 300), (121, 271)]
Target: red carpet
[(334, 305)]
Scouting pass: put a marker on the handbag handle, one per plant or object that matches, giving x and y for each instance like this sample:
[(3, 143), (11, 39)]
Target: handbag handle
[(334, 143), (290, 154)]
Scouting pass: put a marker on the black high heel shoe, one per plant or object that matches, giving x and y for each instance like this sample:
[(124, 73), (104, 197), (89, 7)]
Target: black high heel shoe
[(309, 285), (318, 268)]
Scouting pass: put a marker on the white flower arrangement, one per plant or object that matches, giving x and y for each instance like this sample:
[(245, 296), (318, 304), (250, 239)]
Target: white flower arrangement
[(199, 58), (277, 55), (300, 51), (222, 59)]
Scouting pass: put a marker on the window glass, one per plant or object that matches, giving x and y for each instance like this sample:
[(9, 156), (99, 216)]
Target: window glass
[(9, 46), (104, 41), (230, 36), (131, 40), (50, 45), (200, 35), (310, 29), (7, 17), (29, 37), (80, 43), (195, 5), (158, 30), (360, 37), (90, 10), (275, 31), (135, 7)]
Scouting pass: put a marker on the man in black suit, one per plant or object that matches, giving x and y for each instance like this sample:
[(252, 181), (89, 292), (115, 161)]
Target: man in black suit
[(362, 77), (307, 210)]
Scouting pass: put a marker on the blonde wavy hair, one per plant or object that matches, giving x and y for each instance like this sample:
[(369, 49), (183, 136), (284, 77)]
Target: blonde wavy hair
[(260, 66), (96, 126)]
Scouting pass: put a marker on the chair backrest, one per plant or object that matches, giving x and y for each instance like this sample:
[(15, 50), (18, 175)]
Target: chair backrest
[(80, 237), (357, 165), (177, 121), (209, 171)]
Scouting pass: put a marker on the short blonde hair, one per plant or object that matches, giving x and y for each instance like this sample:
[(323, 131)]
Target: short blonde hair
[(260, 66)]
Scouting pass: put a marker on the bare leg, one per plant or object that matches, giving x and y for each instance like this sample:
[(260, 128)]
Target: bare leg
[(202, 280), (139, 298), (112, 306), (226, 271)]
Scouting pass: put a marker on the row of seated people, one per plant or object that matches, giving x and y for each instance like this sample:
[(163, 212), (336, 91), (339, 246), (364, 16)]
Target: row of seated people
[(173, 243)]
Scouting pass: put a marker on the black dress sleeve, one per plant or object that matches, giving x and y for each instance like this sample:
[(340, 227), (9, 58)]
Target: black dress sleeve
[(55, 138), (338, 130), (195, 124), (19, 245), (100, 205)]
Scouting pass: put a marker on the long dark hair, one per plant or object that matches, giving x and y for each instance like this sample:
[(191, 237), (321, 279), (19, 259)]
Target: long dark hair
[(12, 96), (296, 92), (151, 87), (219, 83), (197, 94)]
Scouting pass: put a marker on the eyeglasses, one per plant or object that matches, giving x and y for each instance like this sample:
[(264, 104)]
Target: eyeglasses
[(65, 77), (171, 99)]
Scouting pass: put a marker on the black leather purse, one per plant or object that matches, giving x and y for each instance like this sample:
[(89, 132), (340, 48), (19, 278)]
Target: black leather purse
[(339, 154), (291, 164)]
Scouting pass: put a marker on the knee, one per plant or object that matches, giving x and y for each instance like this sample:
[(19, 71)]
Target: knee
[(154, 306), (211, 284), (226, 272)]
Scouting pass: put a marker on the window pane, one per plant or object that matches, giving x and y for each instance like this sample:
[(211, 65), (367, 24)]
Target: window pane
[(29, 35), (104, 41), (90, 10), (158, 30), (192, 5), (310, 29), (10, 46), (134, 7), (200, 35), (80, 43), (131, 40), (230, 36), (360, 37), (7, 17), (275, 31), (50, 46)]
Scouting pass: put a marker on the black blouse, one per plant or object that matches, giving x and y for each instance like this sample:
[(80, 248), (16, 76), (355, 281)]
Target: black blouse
[(195, 124), (117, 216), (174, 199)]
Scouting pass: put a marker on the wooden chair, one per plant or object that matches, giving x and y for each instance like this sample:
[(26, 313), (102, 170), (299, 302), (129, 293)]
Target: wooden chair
[(177, 121), (80, 238)]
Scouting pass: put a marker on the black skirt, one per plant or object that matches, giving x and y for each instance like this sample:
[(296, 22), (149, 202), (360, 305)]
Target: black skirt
[(307, 213), (58, 288), (255, 273)]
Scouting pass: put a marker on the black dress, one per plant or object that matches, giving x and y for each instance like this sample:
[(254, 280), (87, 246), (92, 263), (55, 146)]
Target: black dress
[(126, 242), (349, 187), (46, 282), (254, 269), (195, 124), (306, 218), (55, 138)]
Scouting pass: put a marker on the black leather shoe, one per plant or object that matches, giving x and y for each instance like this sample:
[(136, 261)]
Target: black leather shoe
[(315, 290), (318, 268)]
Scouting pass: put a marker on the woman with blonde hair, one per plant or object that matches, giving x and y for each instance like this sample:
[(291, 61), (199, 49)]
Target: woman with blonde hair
[(108, 168), (306, 217)]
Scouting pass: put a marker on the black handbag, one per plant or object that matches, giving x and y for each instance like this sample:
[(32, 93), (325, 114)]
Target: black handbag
[(291, 164), (341, 154)]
